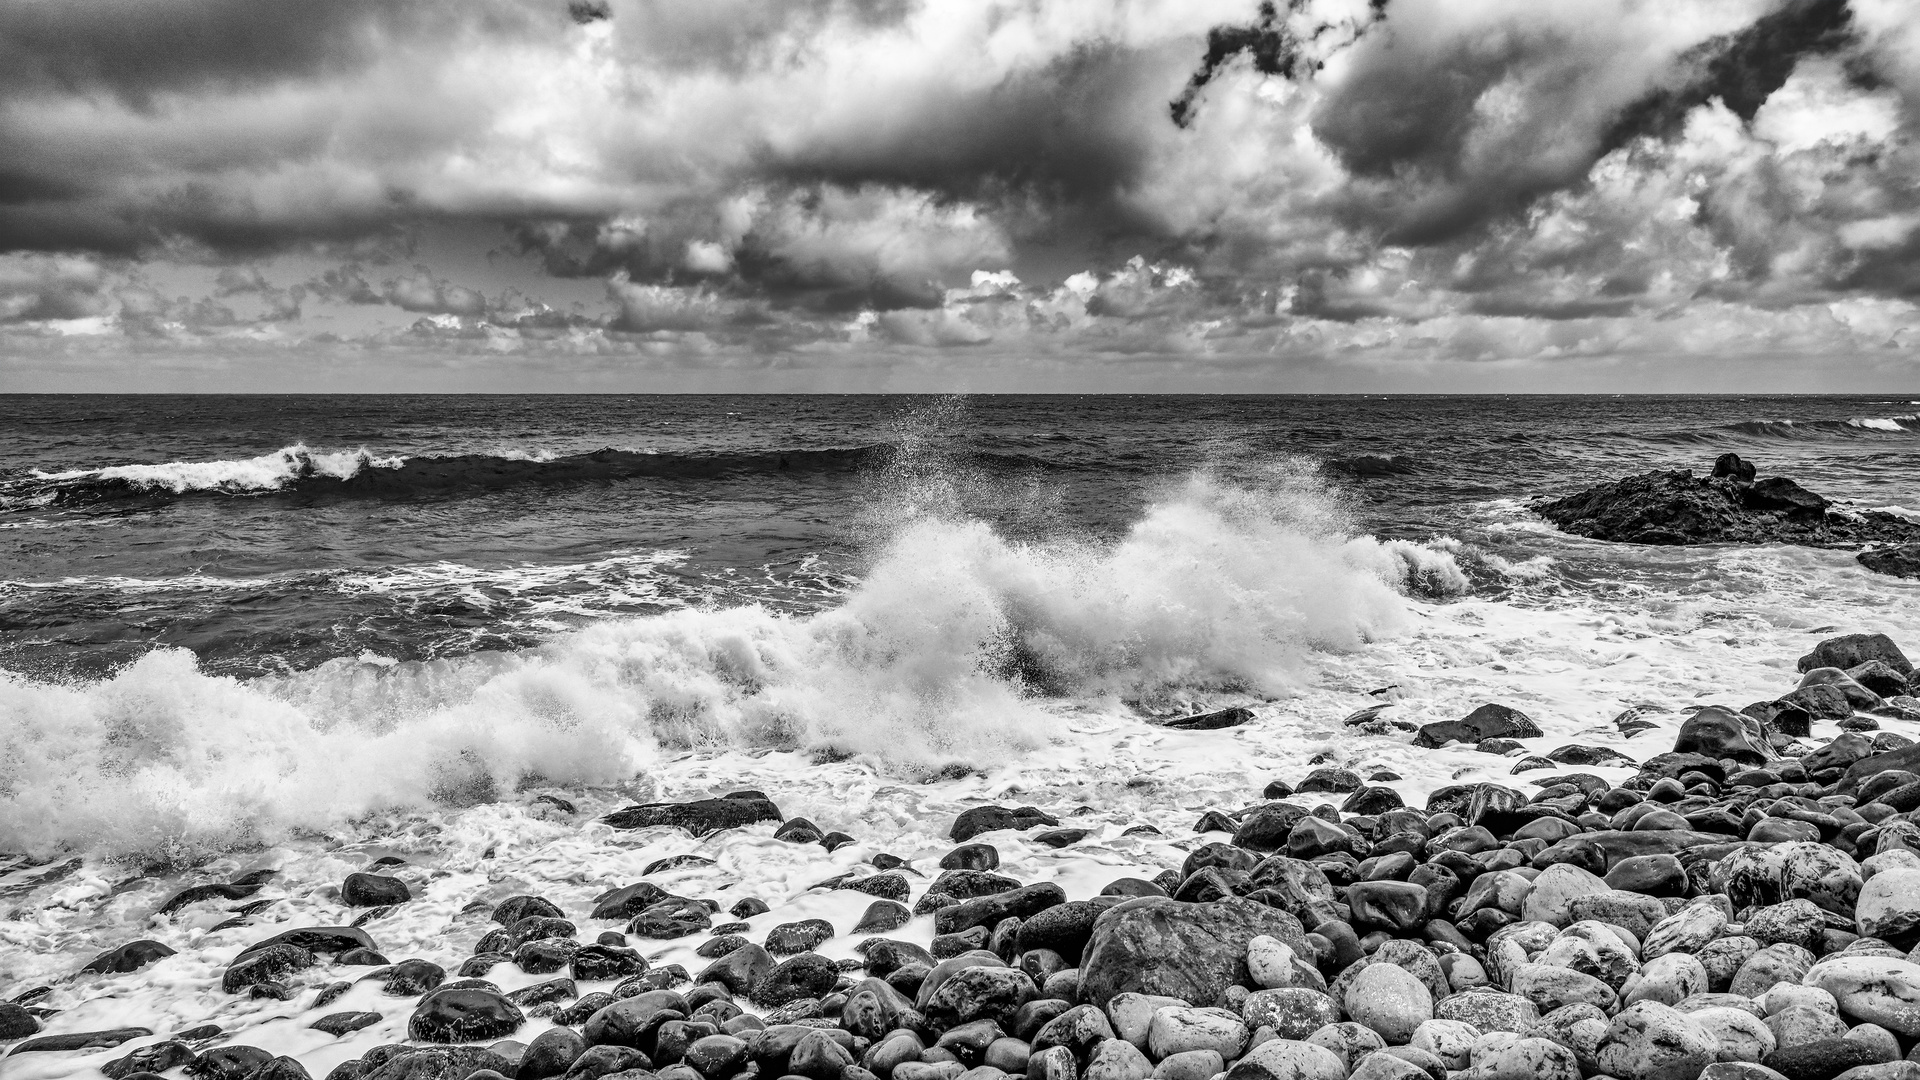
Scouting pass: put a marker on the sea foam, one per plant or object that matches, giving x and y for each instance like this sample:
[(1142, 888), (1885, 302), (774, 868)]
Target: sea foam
[(954, 647)]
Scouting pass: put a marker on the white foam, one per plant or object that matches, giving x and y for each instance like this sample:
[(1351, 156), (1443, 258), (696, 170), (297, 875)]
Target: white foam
[(268, 472), (935, 657), (1882, 423)]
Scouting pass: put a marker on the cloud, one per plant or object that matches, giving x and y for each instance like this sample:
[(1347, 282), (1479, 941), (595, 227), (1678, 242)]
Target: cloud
[(1196, 179)]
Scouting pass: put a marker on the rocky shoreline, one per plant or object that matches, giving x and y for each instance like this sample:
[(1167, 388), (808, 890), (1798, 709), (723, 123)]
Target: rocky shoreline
[(1746, 904), (1732, 505)]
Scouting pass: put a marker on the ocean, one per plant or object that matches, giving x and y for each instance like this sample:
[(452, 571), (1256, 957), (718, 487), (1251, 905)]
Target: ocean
[(305, 633)]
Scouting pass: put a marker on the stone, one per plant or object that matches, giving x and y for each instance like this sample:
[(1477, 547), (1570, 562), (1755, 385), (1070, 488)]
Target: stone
[(1394, 906), (1526, 1059), (1852, 650), (1486, 722), (1650, 875), (1553, 892), (1291, 1012), (1722, 733), (1389, 1000), (1667, 979), (1117, 1059), (1488, 1010), (701, 817), (1825, 1058), (1742, 1036), (1288, 1059), (1190, 951), (1651, 1041), (985, 819), (373, 890), (1350, 1040), (808, 975), (463, 1015), (132, 956), (1550, 987), (1768, 967), (984, 992), (1872, 989), (1889, 904), (1177, 1029), (266, 965)]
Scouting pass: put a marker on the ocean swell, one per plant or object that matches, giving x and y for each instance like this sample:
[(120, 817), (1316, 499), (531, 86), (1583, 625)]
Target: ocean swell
[(950, 649)]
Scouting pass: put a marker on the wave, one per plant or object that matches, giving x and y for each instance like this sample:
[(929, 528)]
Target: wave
[(956, 645), (300, 470), (1798, 430)]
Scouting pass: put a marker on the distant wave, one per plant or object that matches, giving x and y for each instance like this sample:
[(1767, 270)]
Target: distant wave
[(1857, 427), (299, 470), (948, 649)]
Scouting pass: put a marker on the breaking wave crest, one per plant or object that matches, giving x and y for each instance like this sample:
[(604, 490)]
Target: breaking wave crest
[(950, 649), (350, 474)]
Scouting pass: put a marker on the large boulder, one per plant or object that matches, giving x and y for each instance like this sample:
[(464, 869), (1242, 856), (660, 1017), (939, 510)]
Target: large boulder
[(1723, 733), (1872, 989), (1852, 650), (1155, 945), (1678, 507)]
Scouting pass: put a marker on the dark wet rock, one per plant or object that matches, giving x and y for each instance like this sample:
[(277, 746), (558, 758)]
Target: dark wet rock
[(1330, 780), (1893, 560), (1190, 951), (971, 857), (266, 965), (885, 955), (81, 1040), (1852, 650), (544, 956), (432, 1063), (156, 1058), (700, 817), (798, 831), (1654, 875), (1372, 801), (882, 916), (132, 956), (545, 993), (1064, 928), (16, 1022), (238, 889), (628, 901), (516, 908), (361, 958), (741, 971), (596, 963), (788, 939), (982, 992), (715, 947), (677, 862), (1060, 838), (1490, 721), (748, 907), (1721, 733), (1020, 903), (1210, 721), (885, 886), (229, 1063), (410, 978), (808, 975), (1265, 828), (480, 963), (1823, 1059), (551, 1053), (342, 1023), (1680, 508), (985, 819), (1822, 701), (672, 918), (1395, 906), (1591, 755), (373, 890), (315, 939), (463, 1015)]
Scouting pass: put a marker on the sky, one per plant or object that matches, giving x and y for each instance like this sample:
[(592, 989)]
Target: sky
[(972, 195)]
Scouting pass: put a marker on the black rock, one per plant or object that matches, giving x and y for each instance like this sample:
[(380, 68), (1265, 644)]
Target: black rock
[(1395, 906), (1591, 755), (551, 1053), (700, 817), (1893, 560), (132, 956), (1331, 780), (1852, 650), (1372, 801), (788, 939), (798, 831), (470, 1015), (1680, 508), (1732, 467), (410, 978), (1020, 903), (985, 819), (971, 857), (1823, 1059), (597, 963), (432, 1063), (341, 1023), (16, 1022), (1063, 928), (373, 890), (229, 1063), (515, 908), (741, 971), (675, 862), (81, 1040), (156, 1058), (1489, 721), (748, 907), (882, 916), (808, 975), (1190, 951), (1059, 838), (672, 918), (258, 966), (885, 886), (628, 901), (1211, 721), (238, 889), (315, 939), (361, 958), (1265, 828), (544, 956)]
